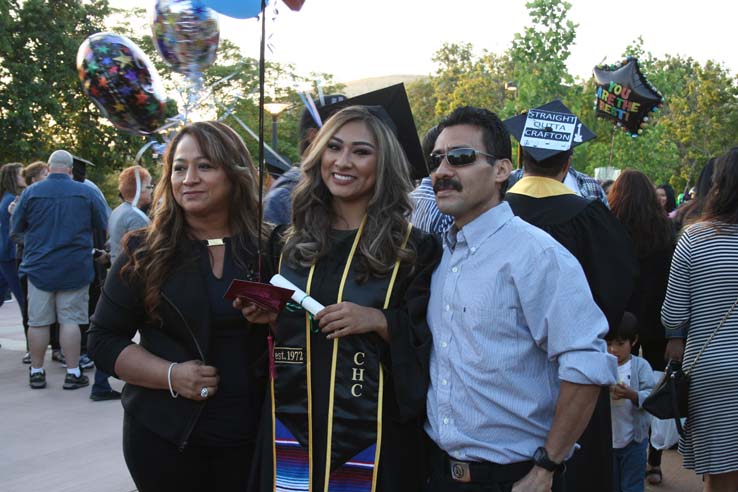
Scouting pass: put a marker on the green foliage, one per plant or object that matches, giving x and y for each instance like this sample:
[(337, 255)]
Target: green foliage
[(540, 52)]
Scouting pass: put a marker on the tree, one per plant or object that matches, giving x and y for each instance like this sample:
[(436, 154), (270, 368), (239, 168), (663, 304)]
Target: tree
[(40, 107), (462, 78), (540, 52), (702, 117)]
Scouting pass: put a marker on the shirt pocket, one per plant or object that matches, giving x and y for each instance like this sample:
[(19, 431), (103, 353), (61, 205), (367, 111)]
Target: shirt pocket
[(491, 339)]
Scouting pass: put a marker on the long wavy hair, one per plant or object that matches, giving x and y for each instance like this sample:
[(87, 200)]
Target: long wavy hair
[(722, 199), (158, 253), (634, 203), (9, 178), (670, 197), (389, 207)]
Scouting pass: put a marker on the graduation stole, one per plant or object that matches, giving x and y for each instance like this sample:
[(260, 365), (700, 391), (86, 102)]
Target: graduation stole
[(354, 408)]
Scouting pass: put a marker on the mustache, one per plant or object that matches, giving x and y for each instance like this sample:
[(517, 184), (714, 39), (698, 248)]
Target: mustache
[(446, 184)]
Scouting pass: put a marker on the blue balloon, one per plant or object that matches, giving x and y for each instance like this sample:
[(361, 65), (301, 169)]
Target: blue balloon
[(240, 9)]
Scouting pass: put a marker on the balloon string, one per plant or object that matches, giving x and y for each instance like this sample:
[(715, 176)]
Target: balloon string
[(262, 66), (255, 136), (612, 146)]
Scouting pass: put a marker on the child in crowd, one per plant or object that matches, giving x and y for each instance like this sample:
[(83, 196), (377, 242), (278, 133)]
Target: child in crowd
[(629, 421)]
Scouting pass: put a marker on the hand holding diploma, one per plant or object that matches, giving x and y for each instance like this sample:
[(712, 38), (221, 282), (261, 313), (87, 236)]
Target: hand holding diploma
[(258, 303), (254, 313), (337, 320)]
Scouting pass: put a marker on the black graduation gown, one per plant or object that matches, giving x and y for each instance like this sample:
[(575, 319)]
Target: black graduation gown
[(646, 301), (405, 362), (603, 247)]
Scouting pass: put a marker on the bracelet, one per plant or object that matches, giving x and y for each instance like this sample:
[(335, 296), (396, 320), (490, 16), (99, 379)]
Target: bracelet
[(169, 380)]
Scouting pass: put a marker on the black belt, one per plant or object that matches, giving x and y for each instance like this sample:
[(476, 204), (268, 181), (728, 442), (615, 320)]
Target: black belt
[(472, 471)]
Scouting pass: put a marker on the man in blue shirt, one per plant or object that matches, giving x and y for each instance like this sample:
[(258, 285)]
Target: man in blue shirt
[(518, 352), (57, 216)]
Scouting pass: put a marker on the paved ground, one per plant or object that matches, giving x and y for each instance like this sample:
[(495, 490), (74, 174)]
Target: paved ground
[(53, 440)]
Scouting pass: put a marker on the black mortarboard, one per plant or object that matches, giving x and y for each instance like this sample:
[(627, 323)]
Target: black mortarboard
[(548, 130), (306, 118), (79, 168), (393, 100)]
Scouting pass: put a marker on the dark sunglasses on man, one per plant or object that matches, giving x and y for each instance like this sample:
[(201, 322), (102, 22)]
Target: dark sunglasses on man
[(460, 157)]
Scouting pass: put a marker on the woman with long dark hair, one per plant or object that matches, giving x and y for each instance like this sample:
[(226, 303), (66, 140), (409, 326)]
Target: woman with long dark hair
[(634, 203), (667, 199), (195, 382), (347, 402), (701, 297)]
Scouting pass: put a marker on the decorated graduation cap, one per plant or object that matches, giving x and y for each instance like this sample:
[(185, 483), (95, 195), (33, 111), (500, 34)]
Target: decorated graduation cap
[(548, 130), (394, 110)]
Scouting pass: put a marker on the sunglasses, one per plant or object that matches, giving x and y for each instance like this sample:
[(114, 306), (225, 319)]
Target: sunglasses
[(457, 157)]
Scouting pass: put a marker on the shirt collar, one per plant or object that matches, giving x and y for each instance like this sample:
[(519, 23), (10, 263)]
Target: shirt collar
[(58, 176), (540, 187), (478, 230)]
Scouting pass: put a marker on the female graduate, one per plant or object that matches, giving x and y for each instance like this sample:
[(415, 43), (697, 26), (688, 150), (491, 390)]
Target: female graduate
[(347, 401)]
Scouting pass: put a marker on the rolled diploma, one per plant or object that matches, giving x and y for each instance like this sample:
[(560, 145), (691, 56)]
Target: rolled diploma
[(299, 296)]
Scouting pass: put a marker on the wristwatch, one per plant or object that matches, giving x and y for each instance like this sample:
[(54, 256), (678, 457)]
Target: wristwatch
[(540, 458)]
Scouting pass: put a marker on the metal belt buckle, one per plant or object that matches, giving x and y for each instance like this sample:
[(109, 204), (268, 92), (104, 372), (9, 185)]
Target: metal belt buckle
[(460, 471)]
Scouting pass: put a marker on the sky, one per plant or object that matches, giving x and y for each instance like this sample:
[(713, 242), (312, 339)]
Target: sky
[(354, 39)]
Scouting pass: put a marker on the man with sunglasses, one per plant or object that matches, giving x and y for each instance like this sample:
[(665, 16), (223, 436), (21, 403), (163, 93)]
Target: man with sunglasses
[(585, 227), (518, 350)]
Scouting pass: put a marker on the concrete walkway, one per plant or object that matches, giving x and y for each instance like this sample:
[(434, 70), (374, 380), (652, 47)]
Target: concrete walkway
[(52, 440)]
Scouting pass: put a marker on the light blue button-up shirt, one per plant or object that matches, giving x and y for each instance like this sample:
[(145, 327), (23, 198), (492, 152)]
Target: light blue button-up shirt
[(511, 315)]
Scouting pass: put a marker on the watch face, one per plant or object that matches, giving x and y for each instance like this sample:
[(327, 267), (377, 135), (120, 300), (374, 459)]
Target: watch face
[(539, 455)]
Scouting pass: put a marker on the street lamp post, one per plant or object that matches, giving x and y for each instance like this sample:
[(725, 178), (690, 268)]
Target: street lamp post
[(275, 109)]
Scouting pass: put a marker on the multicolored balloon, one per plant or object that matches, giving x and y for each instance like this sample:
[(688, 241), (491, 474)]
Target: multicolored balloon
[(122, 82), (625, 96), (186, 35)]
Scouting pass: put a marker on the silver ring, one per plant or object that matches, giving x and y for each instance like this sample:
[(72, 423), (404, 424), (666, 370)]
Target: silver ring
[(204, 392)]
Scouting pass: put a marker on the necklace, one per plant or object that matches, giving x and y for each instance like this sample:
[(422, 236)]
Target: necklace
[(215, 242)]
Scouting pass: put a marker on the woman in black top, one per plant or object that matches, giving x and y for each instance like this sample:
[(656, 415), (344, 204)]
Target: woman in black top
[(195, 381), (634, 202)]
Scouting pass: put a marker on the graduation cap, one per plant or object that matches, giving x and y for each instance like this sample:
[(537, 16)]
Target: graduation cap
[(79, 168), (307, 120), (548, 130), (396, 113)]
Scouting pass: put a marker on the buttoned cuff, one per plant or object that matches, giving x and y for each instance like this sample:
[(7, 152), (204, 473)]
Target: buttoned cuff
[(588, 367)]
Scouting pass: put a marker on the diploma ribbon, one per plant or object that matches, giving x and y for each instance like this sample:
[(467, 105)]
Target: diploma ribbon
[(294, 307)]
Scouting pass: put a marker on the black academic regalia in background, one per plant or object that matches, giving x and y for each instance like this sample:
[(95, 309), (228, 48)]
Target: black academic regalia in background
[(405, 362), (603, 247), (646, 302)]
